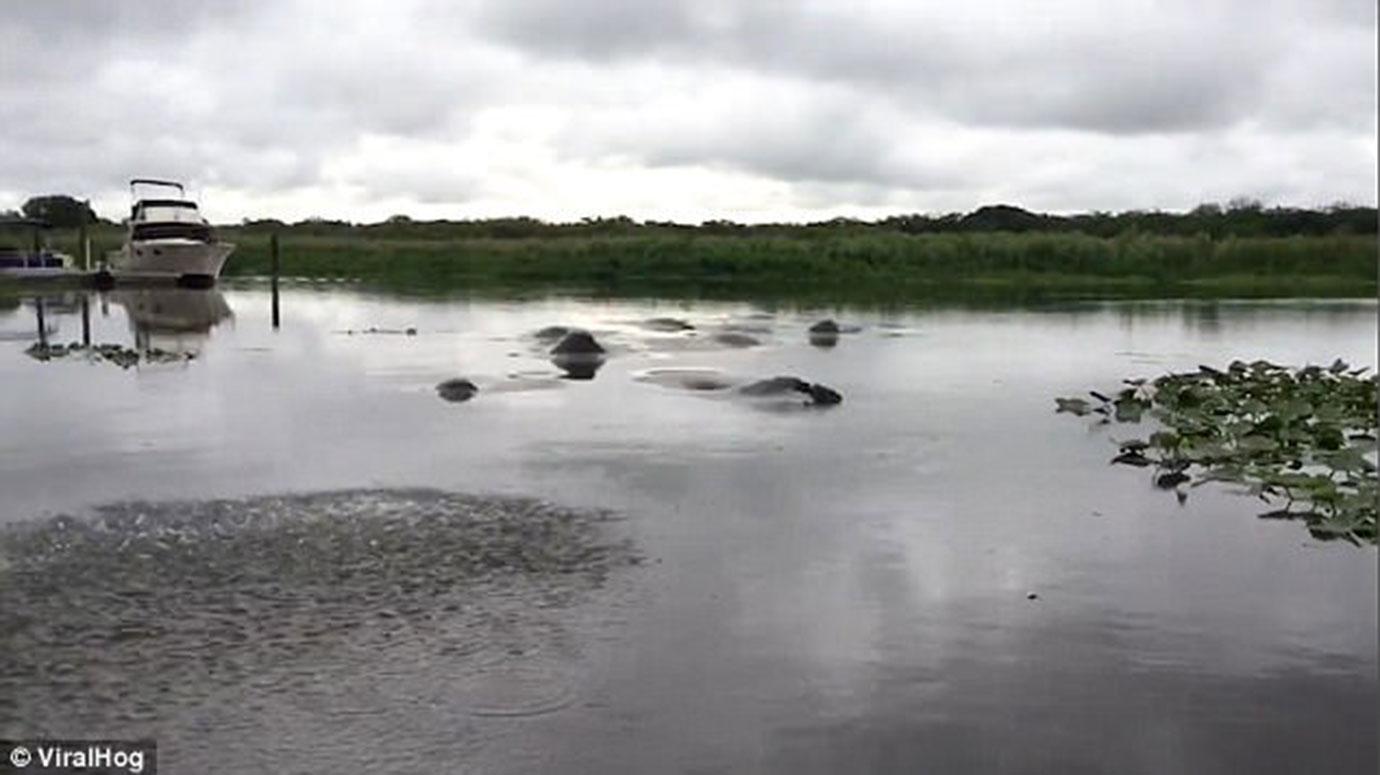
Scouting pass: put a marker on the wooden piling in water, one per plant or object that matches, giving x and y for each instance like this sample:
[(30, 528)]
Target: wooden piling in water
[(42, 324), (84, 245), (85, 320), (274, 268)]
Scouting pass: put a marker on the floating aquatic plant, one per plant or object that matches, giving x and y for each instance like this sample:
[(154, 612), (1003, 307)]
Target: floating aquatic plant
[(121, 356), (1300, 439)]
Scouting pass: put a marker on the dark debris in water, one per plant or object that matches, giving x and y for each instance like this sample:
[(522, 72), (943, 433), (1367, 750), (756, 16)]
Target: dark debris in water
[(409, 331), (1301, 439)]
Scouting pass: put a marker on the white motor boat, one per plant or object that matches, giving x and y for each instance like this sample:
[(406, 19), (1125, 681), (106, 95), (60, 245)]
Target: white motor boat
[(176, 320), (169, 237)]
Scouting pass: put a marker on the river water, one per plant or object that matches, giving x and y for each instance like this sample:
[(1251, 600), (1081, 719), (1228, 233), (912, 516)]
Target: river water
[(939, 574)]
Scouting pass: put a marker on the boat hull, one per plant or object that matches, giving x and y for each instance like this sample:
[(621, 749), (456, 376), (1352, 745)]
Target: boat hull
[(172, 310), (173, 258), (34, 265)]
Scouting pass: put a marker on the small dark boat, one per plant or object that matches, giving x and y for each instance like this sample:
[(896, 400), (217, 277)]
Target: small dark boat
[(23, 250)]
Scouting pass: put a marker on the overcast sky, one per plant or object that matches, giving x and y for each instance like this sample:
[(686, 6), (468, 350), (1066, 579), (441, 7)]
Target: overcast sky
[(745, 109)]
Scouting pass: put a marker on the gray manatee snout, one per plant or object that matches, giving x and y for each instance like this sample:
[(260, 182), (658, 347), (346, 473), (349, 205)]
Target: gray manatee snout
[(820, 395)]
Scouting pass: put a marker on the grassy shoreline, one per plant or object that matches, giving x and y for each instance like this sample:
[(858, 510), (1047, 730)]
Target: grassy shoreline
[(845, 266)]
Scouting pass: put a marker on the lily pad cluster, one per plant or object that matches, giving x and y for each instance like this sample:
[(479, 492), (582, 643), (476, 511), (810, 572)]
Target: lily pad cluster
[(1300, 439), (121, 356)]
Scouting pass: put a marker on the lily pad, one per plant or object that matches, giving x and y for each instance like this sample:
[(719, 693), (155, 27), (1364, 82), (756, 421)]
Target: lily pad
[(1303, 437)]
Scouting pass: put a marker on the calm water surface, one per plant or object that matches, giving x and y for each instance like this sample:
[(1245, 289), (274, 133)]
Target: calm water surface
[(821, 590)]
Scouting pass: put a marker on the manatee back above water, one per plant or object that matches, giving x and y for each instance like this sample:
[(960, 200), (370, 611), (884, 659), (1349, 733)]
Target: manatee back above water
[(774, 386), (819, 395), (667, 324), (736, 339), (830, 326), (457, 390), (713, 380), (578, 366), (578, 343), (692, 379), (551, 333)]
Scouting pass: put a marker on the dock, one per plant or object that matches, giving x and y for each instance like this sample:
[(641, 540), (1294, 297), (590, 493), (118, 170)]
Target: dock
[(78, 279)]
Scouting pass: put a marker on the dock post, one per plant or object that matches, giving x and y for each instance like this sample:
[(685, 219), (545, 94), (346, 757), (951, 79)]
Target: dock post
[(274, 268), (85, 320), (42, 324), (84, 245)]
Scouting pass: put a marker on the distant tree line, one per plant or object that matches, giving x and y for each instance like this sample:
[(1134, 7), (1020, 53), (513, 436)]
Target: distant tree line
[(1238, 218), (58, 210)]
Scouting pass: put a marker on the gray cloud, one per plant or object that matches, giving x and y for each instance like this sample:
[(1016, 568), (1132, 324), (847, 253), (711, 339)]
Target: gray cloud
[(1170, 67), (361, 105), (234, 95), (830, 138)]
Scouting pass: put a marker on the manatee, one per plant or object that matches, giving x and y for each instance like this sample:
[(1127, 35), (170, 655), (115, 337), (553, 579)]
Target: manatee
[(578, 355), (693, 379), (824, 395), (819, 395), (825, 333), (578, 343), (579, 366), (704, 384), (775, 386), (667, 324), (747, 328), (551, 333), (456, 390), (735, 339)]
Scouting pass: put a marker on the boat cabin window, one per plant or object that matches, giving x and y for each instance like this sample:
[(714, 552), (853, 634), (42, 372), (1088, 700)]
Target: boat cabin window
[(166, 210), (166, 230)]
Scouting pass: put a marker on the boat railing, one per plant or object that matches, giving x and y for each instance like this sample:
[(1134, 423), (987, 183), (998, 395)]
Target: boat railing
[(155, 182)]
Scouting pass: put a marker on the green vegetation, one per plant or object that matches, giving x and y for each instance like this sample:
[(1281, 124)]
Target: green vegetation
[(1135, 265), (59, 210), (1303, 439), (998, 252), (1240, 218), (881, 265)]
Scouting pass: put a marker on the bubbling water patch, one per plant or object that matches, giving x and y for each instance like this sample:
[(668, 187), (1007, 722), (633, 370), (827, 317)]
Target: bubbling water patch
[(142, 613)]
